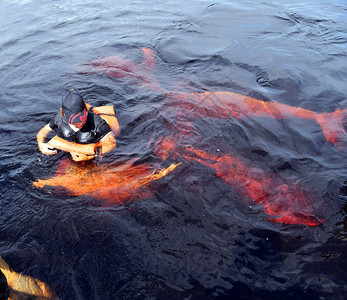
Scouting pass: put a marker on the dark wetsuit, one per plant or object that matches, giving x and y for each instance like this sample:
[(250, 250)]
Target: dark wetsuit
[(92, 132)]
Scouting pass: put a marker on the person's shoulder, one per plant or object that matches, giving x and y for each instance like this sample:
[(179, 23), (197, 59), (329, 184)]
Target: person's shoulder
[(92, 115), (56, 120), (95, 118), (100, 125)]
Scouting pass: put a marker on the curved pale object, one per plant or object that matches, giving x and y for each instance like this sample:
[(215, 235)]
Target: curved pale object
[(25, 284)]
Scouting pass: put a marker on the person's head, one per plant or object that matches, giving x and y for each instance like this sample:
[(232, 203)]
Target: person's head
[(75, 111)]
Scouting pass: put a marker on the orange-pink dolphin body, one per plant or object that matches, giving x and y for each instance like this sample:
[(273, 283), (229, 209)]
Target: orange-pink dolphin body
[(283, 203), (227, 105), (222, 104), (114, 184), (116, 66)]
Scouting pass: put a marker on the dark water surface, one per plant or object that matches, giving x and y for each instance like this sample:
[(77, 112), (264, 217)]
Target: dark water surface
[(194, 238)]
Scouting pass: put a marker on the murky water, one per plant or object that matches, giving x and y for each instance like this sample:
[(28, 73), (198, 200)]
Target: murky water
[(194, 233)]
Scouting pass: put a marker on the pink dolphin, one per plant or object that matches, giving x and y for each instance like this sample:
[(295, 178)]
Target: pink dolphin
[(116, 66)]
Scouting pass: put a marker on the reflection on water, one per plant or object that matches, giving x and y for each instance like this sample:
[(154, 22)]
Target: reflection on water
[(199, 234)]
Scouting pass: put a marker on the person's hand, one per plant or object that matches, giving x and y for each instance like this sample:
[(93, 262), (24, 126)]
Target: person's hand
[(45, 149), (81, 157)]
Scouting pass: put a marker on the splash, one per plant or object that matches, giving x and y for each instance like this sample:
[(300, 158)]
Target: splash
[(115, 184), (283, 203)]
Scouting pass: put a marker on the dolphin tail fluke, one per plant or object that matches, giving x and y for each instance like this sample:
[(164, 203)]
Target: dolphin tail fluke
[(334, 126)]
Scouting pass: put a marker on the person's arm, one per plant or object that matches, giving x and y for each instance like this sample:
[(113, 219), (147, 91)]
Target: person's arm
[(41, 136), (81, 157), (56, 142), (108, 114), (61, 144), (107, 143)]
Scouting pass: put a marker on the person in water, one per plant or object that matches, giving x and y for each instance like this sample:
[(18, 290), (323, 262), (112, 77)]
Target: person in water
[(80, 130)]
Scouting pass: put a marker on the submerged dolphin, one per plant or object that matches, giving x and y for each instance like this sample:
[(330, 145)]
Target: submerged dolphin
[(283, 203), (222, 104), (227, 105), (114, 184), (116, 66)]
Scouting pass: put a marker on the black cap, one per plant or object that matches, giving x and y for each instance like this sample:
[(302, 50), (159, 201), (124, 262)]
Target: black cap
[(74, 108)]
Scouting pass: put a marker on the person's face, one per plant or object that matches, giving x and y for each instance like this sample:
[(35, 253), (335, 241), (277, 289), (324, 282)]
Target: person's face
[(77, 126)]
